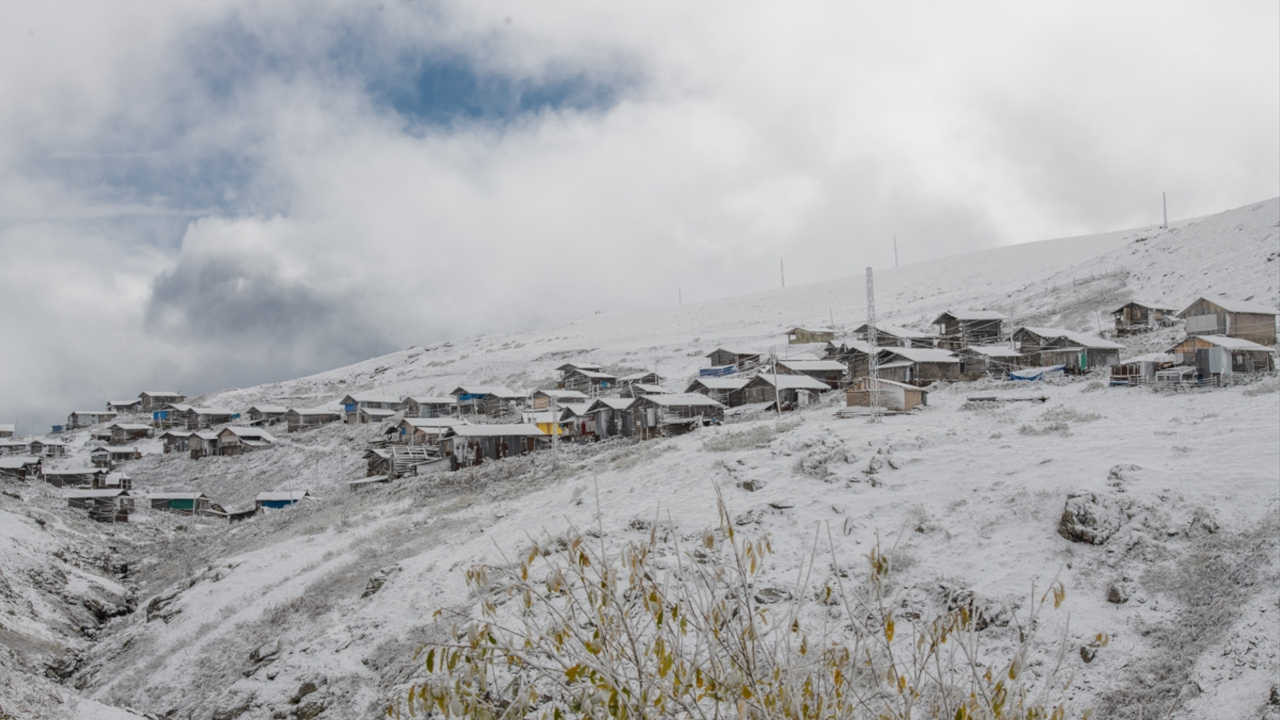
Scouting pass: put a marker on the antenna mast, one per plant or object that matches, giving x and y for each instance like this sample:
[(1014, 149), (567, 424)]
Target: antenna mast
[(782, 273), (873, 372), (895, 251), (1164, 206)]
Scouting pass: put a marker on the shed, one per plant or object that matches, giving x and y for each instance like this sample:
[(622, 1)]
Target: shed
[(642, 377), (612, 417), (831, 372), (85, 418), (888, 394), (635, 390), (917, 366), (352, 405), (856, 356), (176, 440), (804, 336), (277, 499), (266, 414), (304, 418), (13, 447), (889, 334), (739, 360), (108, 456), (1248, 320), (153, 400), (472, 444), (543, 399), (122, 433), (726, 390), (202, 443), (20, 467), (48, 448), (200, 418), (428, 406), (1079, 352), (574, 421), (792, 391), (1138, 316), (237, 440), (656, 415), (125, 407), (490, 400), (171, 415), (1218, 356), (7, 430), (1142, 369), (425, 431), (184, 503), (104, 505), (960, 328), (74, 476), (989, 360), (591, 382)]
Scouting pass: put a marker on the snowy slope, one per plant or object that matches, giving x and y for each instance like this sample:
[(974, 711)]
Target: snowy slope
[(238, 620)]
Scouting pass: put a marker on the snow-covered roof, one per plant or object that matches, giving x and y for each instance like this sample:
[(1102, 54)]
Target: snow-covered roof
[(579, 366), (682, 400), (611, 403), (1148, 303), (578, 409), (94, 412), (76, 470), (379, 412), (368, 480), (970, 315), (205, 434), (118, 449), (593, 374), (372, 397), (431, 399), (268, 409), (570, 395), (919, 355), (636, 376), (90, 494), (895, 383), (747, 353), (434, 422), (814, 365), (315, 411), (1151, 357), (1230, 343), (995, 351), (131, 426), (791, 382), (1231, 305), (17, 462), (719, 383), (501, 391), (212, 411), (160, 394), (189, 495), (499, 430), (895, 331), (248, 433), (1084, 340), (649, 389), (179, 407), (134, 401), (278, 495)]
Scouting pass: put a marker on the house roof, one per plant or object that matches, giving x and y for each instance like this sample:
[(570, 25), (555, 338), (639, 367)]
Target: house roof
[(205, 434), (277, 495), (921, 355), (431, 399), (90, 494), (212, 411), (112, 413), (372, 397), (17, 462), (649, 389), (579, 408), (1231, 305), (500, 391), (563, 394), (970, 315), (190, 495), (733, 352), (434, 422), (682, 400), (592, 374), (316, 411), (160, 394), (499, 430), (814, 365), (1084, 340), (248, 433), (1148, 303), (268, 409), (178, 407), (579, 366), (995, 351), (637, 376), (131, 426), (719, 383), (368, 480), (134, 401), (895, 383), (1229, 343), (1151, 357), (610, 403), (379, 412), (790, 382), (83, 470), (895, 331)]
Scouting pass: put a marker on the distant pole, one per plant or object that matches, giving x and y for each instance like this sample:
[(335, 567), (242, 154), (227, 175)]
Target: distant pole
[(782, 273), (680, 296), (831, 313), (1164, 204), (777, 396), (873, 372), (895, 251)]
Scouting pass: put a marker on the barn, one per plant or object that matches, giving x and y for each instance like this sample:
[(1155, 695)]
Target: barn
[(888, 394), (1247, 320)]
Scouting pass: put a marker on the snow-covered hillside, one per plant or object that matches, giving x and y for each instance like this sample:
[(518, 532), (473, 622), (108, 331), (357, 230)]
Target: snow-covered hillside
[(316, 611)]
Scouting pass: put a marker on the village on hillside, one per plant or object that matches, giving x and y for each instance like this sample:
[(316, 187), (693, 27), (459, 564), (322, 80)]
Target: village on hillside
[(880, 367)]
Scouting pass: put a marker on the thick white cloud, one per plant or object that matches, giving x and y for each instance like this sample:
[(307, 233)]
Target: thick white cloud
[(741, 132)]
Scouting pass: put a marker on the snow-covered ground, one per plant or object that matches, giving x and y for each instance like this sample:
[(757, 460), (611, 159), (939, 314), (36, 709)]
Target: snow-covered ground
[(244, 620)]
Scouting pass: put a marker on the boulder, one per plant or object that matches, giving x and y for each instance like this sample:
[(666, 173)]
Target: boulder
[(771, 595), (1091, 518), (1117, 593), (379, 579)]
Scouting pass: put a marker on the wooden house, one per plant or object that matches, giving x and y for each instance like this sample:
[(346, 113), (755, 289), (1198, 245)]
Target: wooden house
[(202, 443), (352, 405), (153, 400), (1079, 352), (424, 431), (6, 430), (727, 391), (793, 391), (82, 477), (734, 360), (473, 444), (304, 418), (490, 400), (367, 415), (574, 421), (635, 390), (917, 366), (643, 377), (1138, 316), (674, 413), (961, 328), (202, 418), (122, 433), (378, 461), (266, 414), (428, 406), (548, 421), (125, 407), (47, 448), (887, 394), (1252, 321), (185, 503), (176, 440), (856, 356), (112, 481), (1142, 369), (805, 336), (278, 499), (989, 361), (20, 467), (13, 447), (85, 418), (888, 334), (1220, 357), (612, 417), (543, 399), (108, 456), (367, 482), (237, 440), (590, 382), (104, 505), (171, 415), (831, 372)]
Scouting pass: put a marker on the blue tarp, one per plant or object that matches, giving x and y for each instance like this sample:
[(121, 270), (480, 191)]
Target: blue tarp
[(160, 415), (349, 407), (716, 371), (1038, 373)]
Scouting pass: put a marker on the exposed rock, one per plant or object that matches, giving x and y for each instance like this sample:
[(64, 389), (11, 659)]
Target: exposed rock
[(1088, 653), (241, 706), (1091, 518), (306, 688), (750, 517), (1120, 475), (266, 652), (62, 667), (782, 504), (1117, 593), (771, 595), (751, 485), (379, 579), (1202, 523), (158, 607), (1274, 698), (308, 711), (984, 611)]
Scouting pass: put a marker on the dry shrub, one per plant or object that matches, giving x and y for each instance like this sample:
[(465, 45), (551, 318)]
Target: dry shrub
[(656, 631)]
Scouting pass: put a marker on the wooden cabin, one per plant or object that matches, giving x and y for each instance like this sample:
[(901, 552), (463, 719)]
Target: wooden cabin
[(176, 440), (112, 481), (13, 447), (989, 361), (805, 336), (76, 477), (612, 417), (856, 356), (47, 448), (575, 423), (1142, 369), (7, 430), (278, 499), (895, 335), (424, 431), (1252, 321), (104, 505), (352, 405), (490, 400), (171, 415), (202, 443), (125, 407), (201, 418), (793, 391), (185, 503), (85, 418), (20, 467), (1077, 351), (543, 399), (1138, 316), (107, 456), (122, 433), (672, 414), (1219, 357), (305, 418), (727, 391), (917, 366), (428, 406), (643, 377), (831, 372), (961, 328), (635, 390), (473, 444), (266, 414), (589, 382), (888, 394), (238, 440), (153, 400), (732, 360), (365, 416), (377, 462)]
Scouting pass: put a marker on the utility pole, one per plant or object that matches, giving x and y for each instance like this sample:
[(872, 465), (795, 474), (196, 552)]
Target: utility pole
[(680, 296), (895, 251), (782, 273), (1164, 204), (873, 376), (777, 396)]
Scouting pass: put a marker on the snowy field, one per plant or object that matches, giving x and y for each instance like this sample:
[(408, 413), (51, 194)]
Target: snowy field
[(317, 610)]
